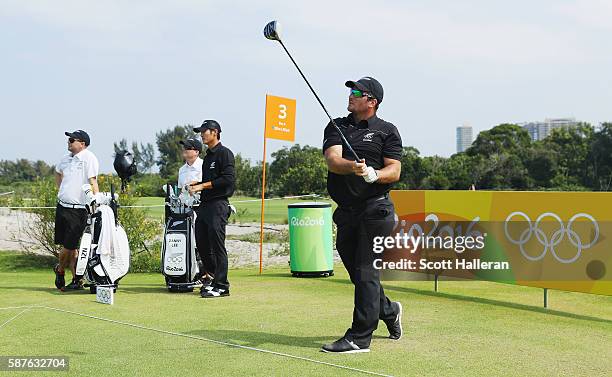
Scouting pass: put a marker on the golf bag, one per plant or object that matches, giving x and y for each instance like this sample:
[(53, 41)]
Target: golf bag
[(178, 255), (104, 252)]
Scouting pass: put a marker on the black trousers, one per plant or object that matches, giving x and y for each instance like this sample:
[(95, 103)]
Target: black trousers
[(210, 239), (357, 226)]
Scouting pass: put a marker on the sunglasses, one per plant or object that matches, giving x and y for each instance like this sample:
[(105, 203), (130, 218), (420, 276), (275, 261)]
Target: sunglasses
[(72, 140), (358, 93)]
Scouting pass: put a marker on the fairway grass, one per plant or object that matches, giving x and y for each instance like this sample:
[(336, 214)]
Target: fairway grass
[(466, 329), (248, 208)]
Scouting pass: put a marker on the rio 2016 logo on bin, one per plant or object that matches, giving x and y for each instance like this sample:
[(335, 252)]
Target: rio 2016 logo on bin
[(307, 221)]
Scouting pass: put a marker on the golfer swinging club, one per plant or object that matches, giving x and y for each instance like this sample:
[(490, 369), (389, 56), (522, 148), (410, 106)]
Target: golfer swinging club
[(361, 190), (216, 187), (76, 169)]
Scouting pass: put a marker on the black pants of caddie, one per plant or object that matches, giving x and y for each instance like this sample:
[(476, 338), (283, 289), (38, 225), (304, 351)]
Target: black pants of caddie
[(210, 239), (357, 226)]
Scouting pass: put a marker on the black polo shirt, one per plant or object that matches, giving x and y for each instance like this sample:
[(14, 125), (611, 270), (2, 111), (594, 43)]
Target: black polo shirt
[(218, 168), (372, 139)]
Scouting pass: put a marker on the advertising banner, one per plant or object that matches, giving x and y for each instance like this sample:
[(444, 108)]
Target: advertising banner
[(557, 240)]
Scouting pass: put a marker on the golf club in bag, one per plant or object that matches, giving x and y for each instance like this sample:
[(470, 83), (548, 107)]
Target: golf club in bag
[(272, 32), (104, 252), (180, 265)]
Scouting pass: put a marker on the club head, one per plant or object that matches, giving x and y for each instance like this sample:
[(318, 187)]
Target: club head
[(272, 31)]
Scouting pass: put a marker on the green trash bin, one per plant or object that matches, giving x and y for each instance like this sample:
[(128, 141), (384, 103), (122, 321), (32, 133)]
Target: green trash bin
[(310, 239)]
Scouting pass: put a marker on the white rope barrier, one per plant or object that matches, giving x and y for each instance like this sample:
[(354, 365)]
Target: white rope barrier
[(27, 207), (284, 197), (162, 205)]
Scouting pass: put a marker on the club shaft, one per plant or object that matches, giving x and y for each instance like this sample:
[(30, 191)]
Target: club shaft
[(348, 145)]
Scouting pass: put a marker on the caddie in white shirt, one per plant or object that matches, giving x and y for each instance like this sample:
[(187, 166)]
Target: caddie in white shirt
[(76, 169), (191, 172)]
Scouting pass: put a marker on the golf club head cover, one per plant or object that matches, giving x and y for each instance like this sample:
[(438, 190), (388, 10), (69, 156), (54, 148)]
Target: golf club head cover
[(371, 175), (124, 166)]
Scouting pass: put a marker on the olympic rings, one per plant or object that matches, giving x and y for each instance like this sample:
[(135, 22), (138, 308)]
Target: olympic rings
[(556, 237)]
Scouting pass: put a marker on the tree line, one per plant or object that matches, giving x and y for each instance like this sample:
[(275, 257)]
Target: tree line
[(503, 158), (575, 158)]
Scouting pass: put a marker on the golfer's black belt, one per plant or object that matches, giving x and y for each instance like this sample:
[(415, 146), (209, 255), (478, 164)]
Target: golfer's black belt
[(214, 200), (365, 203)]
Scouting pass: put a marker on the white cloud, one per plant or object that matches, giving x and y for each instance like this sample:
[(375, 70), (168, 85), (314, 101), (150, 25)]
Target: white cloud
[(443, 32), (596, 14), (118, 25), (149, 64)]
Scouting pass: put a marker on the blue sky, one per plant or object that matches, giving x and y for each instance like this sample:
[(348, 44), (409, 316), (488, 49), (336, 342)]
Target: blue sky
[(132, 68)]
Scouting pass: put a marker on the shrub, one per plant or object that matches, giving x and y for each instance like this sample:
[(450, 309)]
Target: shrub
[(42, 227), (139, 229), (149, 185), (147, 261)]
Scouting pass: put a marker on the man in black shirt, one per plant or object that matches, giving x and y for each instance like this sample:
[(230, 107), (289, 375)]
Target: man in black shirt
[(218, 181), (361, 190)]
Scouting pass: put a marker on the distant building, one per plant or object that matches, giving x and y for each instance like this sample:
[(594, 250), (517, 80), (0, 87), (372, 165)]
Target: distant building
[(540, 130), (464, 138)]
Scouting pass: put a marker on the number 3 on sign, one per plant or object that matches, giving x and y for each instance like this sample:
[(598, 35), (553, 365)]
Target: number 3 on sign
[(283, 111), (280, 118)]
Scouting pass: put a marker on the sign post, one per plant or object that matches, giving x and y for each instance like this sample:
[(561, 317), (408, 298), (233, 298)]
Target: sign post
[(279, 125)]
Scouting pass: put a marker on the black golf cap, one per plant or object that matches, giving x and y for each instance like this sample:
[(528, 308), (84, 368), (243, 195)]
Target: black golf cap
[(368, 84), (209, 124), (191, 143), (80, 135)]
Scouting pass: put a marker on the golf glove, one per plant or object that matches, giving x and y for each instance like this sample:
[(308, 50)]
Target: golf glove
[(371, 177), (89, 195)]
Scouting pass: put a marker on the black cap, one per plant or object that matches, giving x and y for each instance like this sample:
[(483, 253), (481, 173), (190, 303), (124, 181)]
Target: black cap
[(192, 144), (208, 124), (368, 84), (79, 134)]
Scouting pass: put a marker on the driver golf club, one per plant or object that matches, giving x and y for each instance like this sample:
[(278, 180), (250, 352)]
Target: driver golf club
[(272, 32)]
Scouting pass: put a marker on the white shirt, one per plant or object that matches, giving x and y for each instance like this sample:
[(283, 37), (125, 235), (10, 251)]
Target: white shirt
[(189, 173), (76, 171)]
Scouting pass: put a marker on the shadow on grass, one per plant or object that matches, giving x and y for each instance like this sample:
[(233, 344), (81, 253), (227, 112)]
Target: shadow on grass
[(452, 296), (157, 288), (481, 300), (273, 275), (130, 289), (51, 290), (19, 262), (260, 338)]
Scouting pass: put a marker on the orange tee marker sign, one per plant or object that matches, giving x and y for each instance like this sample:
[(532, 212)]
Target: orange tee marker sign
[(279, 125), (280, 118)]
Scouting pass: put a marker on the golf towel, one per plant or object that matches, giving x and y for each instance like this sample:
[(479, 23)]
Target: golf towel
[(113, 246), (108, 235)]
